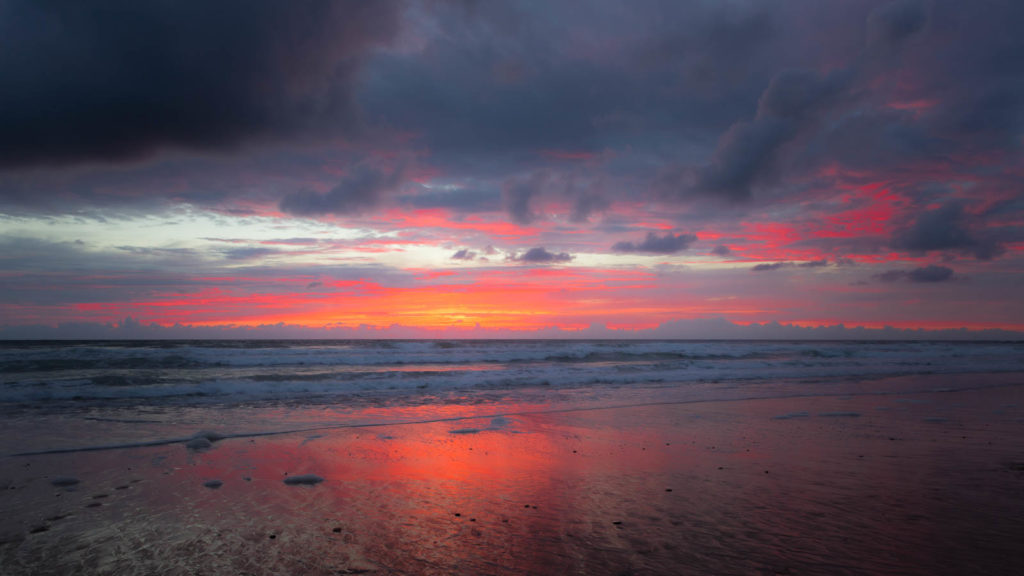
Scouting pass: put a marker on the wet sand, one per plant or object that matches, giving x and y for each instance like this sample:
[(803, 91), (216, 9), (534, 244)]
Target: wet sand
[(915, 483)]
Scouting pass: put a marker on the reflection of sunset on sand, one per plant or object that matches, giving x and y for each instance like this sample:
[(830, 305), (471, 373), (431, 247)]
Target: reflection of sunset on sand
[(817, 485)]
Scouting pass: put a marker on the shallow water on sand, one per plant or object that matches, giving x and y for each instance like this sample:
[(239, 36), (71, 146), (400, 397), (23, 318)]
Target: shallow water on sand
[(909, 483)]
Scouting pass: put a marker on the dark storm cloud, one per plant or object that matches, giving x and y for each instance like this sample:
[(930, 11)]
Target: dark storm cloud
[(516, 197), (459, 200), (520, 78), (891, 24), (796, 93), (977, 71), (948, 228), (876, 140), (793, 103), (358, 192), (83, 81), (744, 153), (747, 152), (540, 255), (588, 204), (925, 274), (680, 101), (653, 244), (960, 98)]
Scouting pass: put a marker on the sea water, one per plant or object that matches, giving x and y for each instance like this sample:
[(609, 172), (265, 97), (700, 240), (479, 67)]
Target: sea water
[(228, 372)]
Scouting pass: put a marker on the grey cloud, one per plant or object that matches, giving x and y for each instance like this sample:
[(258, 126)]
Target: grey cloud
[(486, 89), (462, 200), (925, 274), (877, 140), (930, 274), (85, 83), (891, 275), (668, 244), (948, 228), (721, 250), (515, 79), (771, 266), (541, 255), (960, 102), (588, 204), (744, 153), (891, 24), (464, 254), (748, 151), (359, 191), (977, 70), (813, 264), (721, 46), (768, 267), (517, 194), (794, 93)]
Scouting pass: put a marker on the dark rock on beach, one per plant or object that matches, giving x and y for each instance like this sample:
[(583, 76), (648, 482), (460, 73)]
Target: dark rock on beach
[(307, 479), (203, 440), (199, 444)]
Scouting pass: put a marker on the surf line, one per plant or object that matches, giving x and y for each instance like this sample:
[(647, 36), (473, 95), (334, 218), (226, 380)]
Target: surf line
[(218, 436)]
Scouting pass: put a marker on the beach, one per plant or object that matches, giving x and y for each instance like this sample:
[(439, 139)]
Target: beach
[(917, 474)]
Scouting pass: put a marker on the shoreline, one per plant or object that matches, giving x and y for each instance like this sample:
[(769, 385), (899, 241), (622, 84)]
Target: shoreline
[(1002, 380)]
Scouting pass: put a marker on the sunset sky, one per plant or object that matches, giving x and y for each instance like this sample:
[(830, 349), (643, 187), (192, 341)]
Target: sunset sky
[(474, 167)]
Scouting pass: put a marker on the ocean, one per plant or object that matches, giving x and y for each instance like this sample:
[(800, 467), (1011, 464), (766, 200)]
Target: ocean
[(81, 374)]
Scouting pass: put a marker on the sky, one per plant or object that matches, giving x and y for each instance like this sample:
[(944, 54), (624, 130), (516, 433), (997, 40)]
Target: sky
[(430, 167)]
